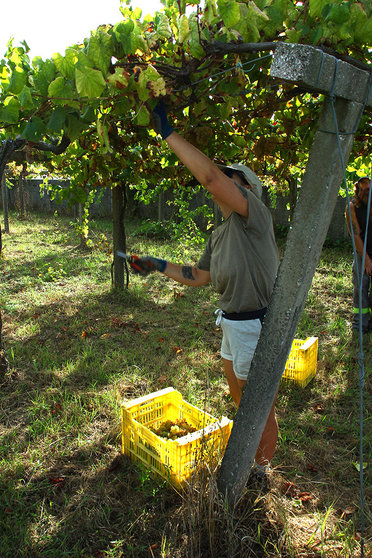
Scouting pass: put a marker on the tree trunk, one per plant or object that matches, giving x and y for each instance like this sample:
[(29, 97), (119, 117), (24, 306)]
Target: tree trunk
[(323, 176), (292, 183), (119, 237), (21, 201), (4, 191), (161, 206)]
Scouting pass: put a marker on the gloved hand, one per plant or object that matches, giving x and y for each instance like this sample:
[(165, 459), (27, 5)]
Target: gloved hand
[(147, 264), (160, 120)]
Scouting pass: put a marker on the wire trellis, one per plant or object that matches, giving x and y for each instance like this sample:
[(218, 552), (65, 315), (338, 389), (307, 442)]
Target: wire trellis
[(359, 274)]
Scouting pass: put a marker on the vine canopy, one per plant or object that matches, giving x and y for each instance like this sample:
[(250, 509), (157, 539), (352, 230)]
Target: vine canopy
[(211, 60)]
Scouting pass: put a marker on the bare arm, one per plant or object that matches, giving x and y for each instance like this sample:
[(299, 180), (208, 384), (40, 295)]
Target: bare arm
[(222, 188), (187, 275), (359, 244)]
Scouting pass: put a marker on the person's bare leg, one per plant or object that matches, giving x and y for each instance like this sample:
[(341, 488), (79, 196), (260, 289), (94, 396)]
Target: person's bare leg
[(267, 445), (266, 448), (234, 387)]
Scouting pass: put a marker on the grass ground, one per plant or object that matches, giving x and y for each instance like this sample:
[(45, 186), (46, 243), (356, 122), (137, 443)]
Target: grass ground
[(77, 349)]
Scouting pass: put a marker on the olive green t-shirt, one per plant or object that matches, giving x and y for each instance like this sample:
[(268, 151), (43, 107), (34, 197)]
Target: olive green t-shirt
[(242, 257)]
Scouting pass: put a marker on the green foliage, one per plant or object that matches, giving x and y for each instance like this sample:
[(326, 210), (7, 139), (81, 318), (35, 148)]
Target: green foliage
[(100, 93), (81, 226)]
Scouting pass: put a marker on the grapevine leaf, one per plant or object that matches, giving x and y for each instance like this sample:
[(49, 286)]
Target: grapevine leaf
[(100, 50), (143, 116), (364, 30), (261, 14), (316, 7), (44, 76), (157, 87), (9, 111), (240, 141), (34, 130), (119, 79), (183, 28), (18, 80), (275, 21), (57, 120), (338, 14), (62, 93), (74, 127), (250, 19), (122, 33), (149, 79), (229, 11), (138, 41), (4, 73), (83, 62), (143, 92), (89, 83), (294, 35), (210, 11), (357, 14), (49, 69), (41, 83), (163, 28), (345, 32), (66, 64), (196, 50), (131, 14), (25, 98), (37, 62), (122, 107), (88, 114), (226, 109), (317, 34), (150, 73)]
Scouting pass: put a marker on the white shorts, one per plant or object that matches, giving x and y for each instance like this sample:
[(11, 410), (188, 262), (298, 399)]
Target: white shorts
[(239, 342)]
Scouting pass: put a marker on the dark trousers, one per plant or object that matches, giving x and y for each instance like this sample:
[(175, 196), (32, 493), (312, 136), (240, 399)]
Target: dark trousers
[(366, 297)]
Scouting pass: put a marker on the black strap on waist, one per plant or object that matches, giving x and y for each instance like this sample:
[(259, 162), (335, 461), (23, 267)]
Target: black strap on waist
[(252, 315)]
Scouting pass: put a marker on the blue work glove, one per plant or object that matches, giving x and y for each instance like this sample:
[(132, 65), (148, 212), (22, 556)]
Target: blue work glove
[(147, 264), (160, 120)]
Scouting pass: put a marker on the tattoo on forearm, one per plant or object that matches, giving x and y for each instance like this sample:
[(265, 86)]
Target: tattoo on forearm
[(187, 272)]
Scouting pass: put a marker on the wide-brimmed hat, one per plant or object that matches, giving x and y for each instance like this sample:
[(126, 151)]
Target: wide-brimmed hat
[(250, 177)]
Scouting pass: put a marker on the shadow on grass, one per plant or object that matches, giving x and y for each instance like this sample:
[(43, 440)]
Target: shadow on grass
[(89, 501), (84, 504)]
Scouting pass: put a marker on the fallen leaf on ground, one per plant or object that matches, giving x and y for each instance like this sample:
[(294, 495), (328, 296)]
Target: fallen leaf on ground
[(348, 511), (57, 408), (105, 335), (56, 480), (305, 497)]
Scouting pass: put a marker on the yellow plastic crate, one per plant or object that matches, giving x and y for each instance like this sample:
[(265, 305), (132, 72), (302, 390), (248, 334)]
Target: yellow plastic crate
[(301, 363), (173, 460)]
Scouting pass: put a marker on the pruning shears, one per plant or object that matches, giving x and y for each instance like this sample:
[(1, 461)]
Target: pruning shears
[(132, 260)]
